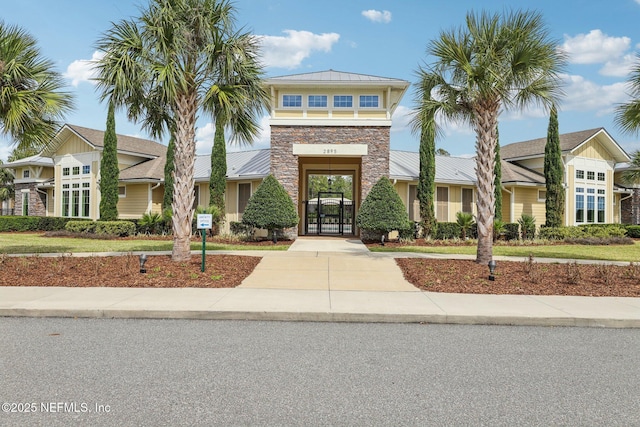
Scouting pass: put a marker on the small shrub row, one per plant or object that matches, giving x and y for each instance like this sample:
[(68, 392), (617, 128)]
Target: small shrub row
[(591, 231), (33, 223), (112, 228)]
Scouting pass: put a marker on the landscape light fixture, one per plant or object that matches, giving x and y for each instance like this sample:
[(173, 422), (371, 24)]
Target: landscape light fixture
[(492, 270), (143, 259)]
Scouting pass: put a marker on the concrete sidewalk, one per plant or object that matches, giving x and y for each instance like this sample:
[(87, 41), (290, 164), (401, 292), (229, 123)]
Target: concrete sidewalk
[(322, 280)]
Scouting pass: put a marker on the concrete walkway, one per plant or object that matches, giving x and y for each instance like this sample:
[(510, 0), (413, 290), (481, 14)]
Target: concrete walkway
[(322, 280)]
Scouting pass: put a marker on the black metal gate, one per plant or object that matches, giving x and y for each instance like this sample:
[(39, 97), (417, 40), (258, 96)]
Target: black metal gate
[(329, 213)]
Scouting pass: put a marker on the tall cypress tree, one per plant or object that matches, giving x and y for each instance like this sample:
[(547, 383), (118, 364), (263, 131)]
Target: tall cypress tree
[(169, 166), (109, 171), (497, 183), (427, 178), (218, 178), (553, 173)]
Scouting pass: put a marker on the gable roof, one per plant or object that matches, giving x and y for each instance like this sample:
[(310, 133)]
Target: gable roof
[(95, 138), (36, 160), (568, 143), (149, 170)]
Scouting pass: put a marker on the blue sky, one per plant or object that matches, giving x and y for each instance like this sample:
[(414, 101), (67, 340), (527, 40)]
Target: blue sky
[(383, 38)]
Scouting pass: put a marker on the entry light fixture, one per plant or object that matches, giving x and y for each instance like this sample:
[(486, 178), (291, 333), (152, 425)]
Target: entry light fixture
[(492, 270), (143, 259)]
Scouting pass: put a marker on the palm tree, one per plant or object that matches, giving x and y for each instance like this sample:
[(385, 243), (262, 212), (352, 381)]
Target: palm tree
[(31, 100), (493, 62), (7, 190), (627, 115), (180, 57)]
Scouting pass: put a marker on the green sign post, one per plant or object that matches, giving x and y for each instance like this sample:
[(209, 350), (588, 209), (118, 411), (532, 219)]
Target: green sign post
[(204, 224)]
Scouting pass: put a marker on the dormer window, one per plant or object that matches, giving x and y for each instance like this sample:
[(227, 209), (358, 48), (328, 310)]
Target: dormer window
[(368, 101), (317, 101), (343, 101), (292, 101)]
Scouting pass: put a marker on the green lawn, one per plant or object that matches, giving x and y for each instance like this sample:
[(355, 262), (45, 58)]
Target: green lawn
[(596, 252), (23, 243)]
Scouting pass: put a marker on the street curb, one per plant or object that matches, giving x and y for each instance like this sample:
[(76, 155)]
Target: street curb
[(324, 317)]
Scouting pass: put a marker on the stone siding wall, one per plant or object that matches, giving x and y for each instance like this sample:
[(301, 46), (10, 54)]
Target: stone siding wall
[(284, 165), (630, 209), (37, 200)]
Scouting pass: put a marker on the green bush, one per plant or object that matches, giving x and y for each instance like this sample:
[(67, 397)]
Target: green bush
[(512, 231), (527, 226), (150, 223), (633, 231), (240, 229), (465, 221), (409, 233), (80, 226), (116, 228), (270, 208), (447, 230), (382, 210), (604, 230)]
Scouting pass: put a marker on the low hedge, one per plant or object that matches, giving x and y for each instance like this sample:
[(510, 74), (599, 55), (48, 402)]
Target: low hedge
[(34, 223), (633, 231), (591, 231)]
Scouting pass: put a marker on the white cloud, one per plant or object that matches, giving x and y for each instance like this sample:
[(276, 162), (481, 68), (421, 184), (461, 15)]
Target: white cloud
[(290, 51), (377, 16), (585, 95), (595, 47), (401, 119), (82, 70), (620, 67)]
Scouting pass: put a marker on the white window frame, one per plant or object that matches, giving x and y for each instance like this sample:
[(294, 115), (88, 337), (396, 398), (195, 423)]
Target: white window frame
[(292, 94), (542, 199), (333, 104), (124, 192), (368, 107), (238, 196), (313, 107)]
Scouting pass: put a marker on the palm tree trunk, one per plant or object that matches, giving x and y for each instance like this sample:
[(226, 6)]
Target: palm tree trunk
[(486, 119), (183, 195)]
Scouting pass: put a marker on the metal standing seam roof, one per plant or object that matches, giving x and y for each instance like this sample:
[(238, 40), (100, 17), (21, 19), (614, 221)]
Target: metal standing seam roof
[(240, 165), (36, 160), (405, 165), (332, 76)]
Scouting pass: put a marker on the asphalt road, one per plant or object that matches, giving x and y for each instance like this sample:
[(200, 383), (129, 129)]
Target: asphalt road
[(167, 372)]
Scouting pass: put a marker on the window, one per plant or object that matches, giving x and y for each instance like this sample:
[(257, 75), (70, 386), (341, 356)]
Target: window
[(85, 198), (244, 192), (65, 200), (86, 169), (467, 200), (317, 101), (600, 176), (591, 205), (76, 170), (442, 204), (75, 203), (414, 203), (368, 101), (25, 203), (65, 171), (579, 205), (292, 100), (122, 191), (591, 175), (343, 101), (600, 209), (542, 195)]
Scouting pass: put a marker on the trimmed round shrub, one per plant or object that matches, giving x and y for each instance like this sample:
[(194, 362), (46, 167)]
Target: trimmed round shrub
[(270, 208), (382, 210), (116, 228), (80, 226)]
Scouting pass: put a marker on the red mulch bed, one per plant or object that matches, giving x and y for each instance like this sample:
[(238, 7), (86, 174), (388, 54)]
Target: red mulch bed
[(221, 271), (522, 278)]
